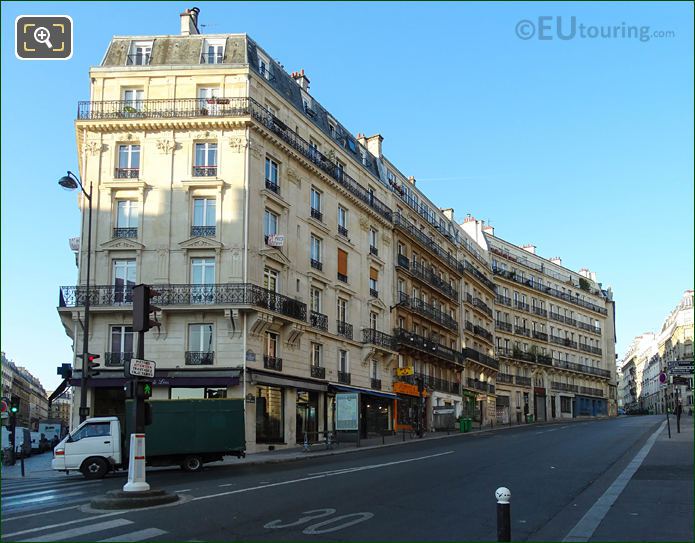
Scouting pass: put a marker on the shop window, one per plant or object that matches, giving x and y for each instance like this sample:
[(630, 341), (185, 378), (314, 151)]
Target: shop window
[(270, 426)]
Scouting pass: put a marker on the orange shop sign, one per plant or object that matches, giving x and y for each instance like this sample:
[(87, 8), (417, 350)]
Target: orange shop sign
[(407, 389)]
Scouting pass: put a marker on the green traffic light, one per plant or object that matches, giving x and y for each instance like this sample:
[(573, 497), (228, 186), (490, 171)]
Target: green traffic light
[(14, 409), (148, 389)]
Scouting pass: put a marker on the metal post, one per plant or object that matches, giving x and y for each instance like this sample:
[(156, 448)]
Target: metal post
[(677, 411), (139, 401), (504, 523), (85, 327), (668, 422), (21, 459)]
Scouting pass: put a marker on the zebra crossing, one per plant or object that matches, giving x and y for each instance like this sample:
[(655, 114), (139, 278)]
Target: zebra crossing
[(27, 495), (113, 529)]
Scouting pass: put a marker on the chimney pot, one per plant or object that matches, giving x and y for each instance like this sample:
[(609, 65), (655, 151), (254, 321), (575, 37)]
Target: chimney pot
[(189, 22)]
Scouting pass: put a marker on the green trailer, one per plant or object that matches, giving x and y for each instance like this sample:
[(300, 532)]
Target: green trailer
[(190, 433)]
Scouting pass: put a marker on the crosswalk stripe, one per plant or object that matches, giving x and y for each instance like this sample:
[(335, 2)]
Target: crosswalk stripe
[(140, 535), (59, 524), (83, 530), (14, 504), (6, 489), (37, 493), (43, 512)]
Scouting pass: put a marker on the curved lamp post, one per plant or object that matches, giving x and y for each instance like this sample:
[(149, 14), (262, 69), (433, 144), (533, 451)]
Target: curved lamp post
[(72, 182)]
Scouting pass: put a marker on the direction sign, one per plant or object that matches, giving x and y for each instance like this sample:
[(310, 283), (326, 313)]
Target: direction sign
[(141, 368), (681, 370)]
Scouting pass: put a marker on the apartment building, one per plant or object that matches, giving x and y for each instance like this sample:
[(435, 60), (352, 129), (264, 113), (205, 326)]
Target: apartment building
[(636, 360), (18, 381), (555, 335), (675, 343), (292, 260)]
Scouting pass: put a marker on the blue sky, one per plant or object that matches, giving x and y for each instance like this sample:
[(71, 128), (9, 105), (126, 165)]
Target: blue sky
[(583, 147)]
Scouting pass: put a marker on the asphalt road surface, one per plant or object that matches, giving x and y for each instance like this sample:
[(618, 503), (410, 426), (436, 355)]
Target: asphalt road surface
[(428, 490)]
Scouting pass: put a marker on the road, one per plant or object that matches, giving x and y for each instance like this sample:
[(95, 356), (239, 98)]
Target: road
[(430, 490)]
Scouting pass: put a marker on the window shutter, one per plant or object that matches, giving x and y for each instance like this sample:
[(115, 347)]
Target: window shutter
[(342, 262), (374, 274)]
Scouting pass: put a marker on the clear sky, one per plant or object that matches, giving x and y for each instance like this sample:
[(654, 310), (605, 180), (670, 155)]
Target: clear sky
[(583, 146)]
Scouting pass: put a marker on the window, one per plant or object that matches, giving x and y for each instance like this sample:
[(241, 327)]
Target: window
[(340, 169), (374, 282), (121, 346), (205, 160), (140, 53), (373, 242), (264, 66), (342, 266), (204, 218), (373, 320), (213, 52), (133, 100), (207, 100), (375, 369), (271, 175), (94, 429), (565, 404), (270, 280), (316, 253), (316, 295), (270, 414), (343, 361), (342, 306), (126, 219), (342, 221), (200, 338), (123, 280), (271, 344), (270, 224), (401, 287), (316, 354), (128, 162), (316, 204), (203, 277)]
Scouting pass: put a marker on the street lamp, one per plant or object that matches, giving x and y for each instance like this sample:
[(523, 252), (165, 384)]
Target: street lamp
[(72, 182)]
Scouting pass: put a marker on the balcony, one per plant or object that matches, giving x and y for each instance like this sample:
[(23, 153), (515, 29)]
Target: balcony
[(564, 387), (316, 264), (376, 384), (204, 171), (428, 311), (538, 311), (582, 368), (589, 327), (505, 378), (375, 337), (342, 277), (225, 294), (521, 331), (373, 293), (521, 305), (411, 340), (126, 173), (318, 372), (480, 276), (316, 214), (203, 231), (522, 381), (318, 320), (557, 317), (130, 232), (344, 377), (589, 391), (481, 358), (272, 362), (505, 300), (565, 342), (433, 383), (478, 385), (373, 250), (342, 231), (426, 274), (139, 59), (403, 261), (272, 186), (427, 242), (483, 333), (117, 359), (542, 336), (504, 326), (344, 329), (478, 303), (199, 358), (516, 354)]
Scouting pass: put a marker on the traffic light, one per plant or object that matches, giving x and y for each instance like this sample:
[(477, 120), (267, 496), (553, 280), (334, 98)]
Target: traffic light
[(92, 364), (142, 390), (142, 296), (14, 405)]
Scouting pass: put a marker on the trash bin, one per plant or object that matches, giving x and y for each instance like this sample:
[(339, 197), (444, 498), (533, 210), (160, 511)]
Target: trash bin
[(529, 419), (462, 425), (469, 424)]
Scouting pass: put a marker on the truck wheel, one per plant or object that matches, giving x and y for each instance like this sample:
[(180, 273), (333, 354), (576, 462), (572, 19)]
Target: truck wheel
[(94, 468), (192, 463)]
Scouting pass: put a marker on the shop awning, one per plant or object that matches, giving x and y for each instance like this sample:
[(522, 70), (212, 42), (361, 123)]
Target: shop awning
[(165, 378), (346, 388), (302, 384)]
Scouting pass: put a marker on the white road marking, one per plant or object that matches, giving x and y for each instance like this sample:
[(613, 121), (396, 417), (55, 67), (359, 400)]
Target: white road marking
[(140, 535), (227, 484), (26, 486), (347, 470), (314, 528), (16, 496), (59, 524), (183, 490), (43, 512), (561, 427), (75, 532), (587, 525), (8, 503)]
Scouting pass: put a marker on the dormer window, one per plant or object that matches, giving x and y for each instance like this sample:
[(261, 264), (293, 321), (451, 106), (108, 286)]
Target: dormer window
[(263, 66), (140, 53), (213, 52)]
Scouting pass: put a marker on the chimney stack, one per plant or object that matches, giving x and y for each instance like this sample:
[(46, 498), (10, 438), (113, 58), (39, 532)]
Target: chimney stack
[(556, 260), (301, 79), (530, 248), (189, 22), (374, 145), (489, 229), (411, 180), (448, 213)]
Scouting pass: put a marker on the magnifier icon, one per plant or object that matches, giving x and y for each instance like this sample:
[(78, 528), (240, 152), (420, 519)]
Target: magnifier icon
[(42, 35)]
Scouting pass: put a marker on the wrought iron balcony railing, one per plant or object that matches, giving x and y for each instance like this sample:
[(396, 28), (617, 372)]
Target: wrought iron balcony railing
[(483, 333), (564, 387), (316, 264), (203, 231), (126, 173), (505, 326), (403, 261), (521, 331), (517, 354), (376, 384), (478, 385), (556, 316), (539, 311), (140, 59), (505, 378), (470, 268), (200, 358), (522, 381), (428, 381), (130, 232), (230, 107), (427, 274), (272, 362), (344, 377), (344, 329), (521, 305), (477, 302), (211, 58), (506, 300), (583, 368), (373, 293), (481, 358), (318, 320), (204, 171), (272, 186), (318, 372), (540, 335), (168, 295), (117, 359), (565, 342), (427, 243), (411, 340), (342, 277), (589, 327), (428, 311), (373, 250), (316, 214), (342, 231), (375, 337), (591, 391)]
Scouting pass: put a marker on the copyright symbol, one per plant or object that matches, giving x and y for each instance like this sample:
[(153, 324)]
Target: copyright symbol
[(525, 29)]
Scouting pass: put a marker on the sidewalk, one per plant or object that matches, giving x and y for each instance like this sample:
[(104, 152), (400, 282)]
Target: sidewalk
[(658, 502)]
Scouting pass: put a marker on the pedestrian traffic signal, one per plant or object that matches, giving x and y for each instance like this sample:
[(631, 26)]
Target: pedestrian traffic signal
[(14, 404), (142, 307), (142, 390)]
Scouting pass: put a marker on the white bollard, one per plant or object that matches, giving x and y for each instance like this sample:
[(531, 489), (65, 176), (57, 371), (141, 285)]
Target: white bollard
[(504, 522), (136, 465)]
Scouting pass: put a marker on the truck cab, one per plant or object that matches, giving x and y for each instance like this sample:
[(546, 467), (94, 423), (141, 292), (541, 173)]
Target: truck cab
[(93, 448)]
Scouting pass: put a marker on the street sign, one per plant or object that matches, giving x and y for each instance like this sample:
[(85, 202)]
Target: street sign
[(681, 381), (681, 370), (141, 368), (662, 378), (404, 371)]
